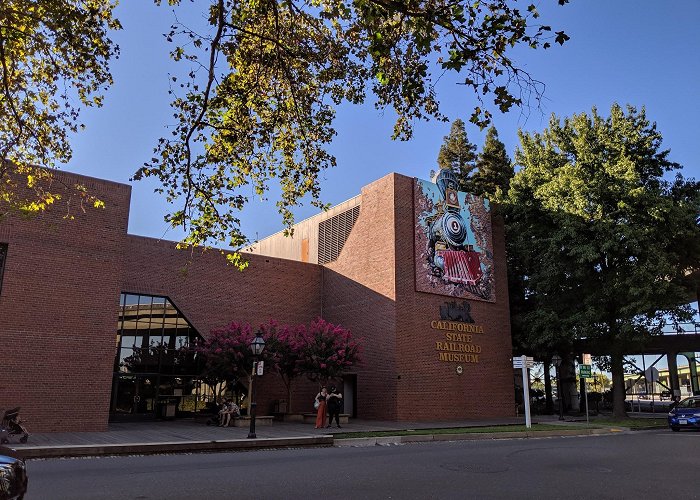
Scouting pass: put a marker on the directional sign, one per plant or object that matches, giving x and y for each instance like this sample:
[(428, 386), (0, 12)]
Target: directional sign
[(584, 371), (520, 361)]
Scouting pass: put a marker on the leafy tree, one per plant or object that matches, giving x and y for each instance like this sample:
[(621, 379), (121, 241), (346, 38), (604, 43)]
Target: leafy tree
[(605, 244), (227, 353), (262, 95), (458, 154), (286, 345), (494, 169), (54, 58), (180, 360), (328, 351)]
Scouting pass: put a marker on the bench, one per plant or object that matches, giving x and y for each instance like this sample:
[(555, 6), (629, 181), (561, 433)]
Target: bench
[(310, 418), (245, 421)]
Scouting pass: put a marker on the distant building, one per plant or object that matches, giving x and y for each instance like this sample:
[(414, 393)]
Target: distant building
[(637, 385)]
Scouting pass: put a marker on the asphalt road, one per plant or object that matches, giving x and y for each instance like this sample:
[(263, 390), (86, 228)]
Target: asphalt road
[(650, 464)]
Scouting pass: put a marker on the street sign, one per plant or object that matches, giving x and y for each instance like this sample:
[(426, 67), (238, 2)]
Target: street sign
[(584, 371), (528, 362), (260, 368), (586, 359)]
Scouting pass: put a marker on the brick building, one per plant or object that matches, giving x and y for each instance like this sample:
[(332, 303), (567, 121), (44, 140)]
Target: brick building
[(70, 288)]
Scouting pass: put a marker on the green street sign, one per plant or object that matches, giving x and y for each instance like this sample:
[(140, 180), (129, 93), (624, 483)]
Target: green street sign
[(584, 371)]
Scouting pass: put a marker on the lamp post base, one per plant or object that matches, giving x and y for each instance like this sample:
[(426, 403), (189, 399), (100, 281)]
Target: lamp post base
[(251, 432)]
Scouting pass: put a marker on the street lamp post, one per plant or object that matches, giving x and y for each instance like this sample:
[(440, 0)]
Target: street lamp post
[(256, 346), (556, 361)]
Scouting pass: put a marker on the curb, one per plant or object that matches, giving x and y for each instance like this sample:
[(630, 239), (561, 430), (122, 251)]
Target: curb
[(68, 451), (472, 436), (29, 452)]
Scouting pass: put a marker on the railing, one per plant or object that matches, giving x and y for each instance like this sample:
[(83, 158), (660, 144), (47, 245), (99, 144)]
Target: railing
[(682, 328), (649, 403)]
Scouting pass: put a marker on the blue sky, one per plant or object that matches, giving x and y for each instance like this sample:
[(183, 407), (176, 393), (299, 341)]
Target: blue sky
[(628, 51)]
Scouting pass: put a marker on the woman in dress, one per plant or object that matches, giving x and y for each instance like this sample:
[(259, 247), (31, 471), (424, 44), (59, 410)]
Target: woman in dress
[(321, 411)]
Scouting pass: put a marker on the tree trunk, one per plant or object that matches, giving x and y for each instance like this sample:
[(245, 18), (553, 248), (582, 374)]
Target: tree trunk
[(289, 396), (568, 384), (549, 402), (618, 386)]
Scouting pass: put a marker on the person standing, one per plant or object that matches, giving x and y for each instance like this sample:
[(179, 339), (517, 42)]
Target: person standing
[(335, 403), (321, 408)]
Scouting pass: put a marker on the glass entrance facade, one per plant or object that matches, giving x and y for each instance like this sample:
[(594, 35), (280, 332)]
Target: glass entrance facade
[(155, 365)]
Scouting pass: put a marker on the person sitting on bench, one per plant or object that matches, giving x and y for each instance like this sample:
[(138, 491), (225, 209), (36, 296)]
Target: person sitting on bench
[(232, 410)]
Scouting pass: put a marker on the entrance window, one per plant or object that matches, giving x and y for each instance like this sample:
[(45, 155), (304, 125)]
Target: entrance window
[(155, 364)]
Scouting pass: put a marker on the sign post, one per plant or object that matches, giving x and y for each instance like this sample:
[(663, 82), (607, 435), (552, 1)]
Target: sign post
[(524, 363), (584, 371)]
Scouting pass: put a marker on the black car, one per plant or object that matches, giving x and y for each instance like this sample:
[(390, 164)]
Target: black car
[(13, 475), (686, 415)]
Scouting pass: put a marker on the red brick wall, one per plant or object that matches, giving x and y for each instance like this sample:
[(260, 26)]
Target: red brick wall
[(211, 294), (58, 308), (430, 389), (371, 290), (359, 293)]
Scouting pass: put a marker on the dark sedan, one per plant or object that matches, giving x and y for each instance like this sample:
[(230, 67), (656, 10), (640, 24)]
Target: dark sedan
[(13, 475), (686, 415)]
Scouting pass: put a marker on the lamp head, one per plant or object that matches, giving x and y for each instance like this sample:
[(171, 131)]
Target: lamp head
[(257, 346)]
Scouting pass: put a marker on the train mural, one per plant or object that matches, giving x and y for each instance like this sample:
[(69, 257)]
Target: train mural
[(453, 241)]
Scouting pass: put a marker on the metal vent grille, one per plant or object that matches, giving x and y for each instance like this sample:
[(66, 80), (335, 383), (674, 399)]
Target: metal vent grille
[(333, 233)]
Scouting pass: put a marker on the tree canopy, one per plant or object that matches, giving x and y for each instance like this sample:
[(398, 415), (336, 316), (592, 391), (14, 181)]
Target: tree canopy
[(261, 99), (458, 154), (493, 170), (54, 58), (487, 173), (328, 351), (321, 351), (601, 235)]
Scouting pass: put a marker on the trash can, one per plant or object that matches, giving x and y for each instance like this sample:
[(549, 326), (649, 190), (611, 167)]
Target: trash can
[(167, 407)]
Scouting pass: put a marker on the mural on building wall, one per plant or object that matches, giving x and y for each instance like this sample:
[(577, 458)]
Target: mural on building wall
[(453, 244)]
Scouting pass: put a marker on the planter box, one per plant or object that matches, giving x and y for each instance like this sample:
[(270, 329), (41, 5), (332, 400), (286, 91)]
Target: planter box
[(245, 421), (293, 417)]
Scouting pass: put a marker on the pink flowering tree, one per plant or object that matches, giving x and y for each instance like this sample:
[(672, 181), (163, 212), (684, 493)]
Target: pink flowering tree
[(328, 351), (227, 353), (285, 348)]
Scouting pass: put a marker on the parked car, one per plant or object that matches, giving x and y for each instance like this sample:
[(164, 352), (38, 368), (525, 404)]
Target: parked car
[(13, 475), (686, 415)]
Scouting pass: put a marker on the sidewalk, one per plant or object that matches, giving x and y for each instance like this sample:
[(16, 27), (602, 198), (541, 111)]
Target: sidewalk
[(185, 436)]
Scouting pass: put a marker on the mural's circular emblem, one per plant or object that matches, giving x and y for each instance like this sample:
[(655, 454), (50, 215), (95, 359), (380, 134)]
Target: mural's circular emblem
[(460, 370), (454, 229)]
